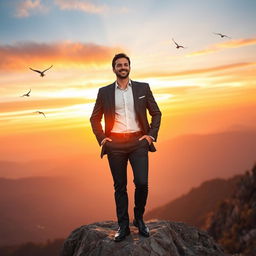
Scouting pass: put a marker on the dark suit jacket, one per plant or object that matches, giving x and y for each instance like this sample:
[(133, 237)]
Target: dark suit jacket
[(105, 105)]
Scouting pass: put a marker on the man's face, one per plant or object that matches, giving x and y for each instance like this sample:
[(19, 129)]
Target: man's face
[(122, 68)]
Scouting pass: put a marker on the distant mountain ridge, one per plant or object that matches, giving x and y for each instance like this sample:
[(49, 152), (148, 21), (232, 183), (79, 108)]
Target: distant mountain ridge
[(179, 164), (187, 161), (225, 208), (40, 208), (34, 208), (194, 206)]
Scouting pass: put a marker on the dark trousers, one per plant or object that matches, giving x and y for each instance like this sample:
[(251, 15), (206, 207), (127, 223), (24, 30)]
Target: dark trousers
[(119, 151)]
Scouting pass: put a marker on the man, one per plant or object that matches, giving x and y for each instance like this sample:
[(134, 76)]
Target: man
[(127, 136)]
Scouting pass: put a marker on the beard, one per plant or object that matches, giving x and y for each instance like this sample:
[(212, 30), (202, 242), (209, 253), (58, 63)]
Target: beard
[(121, 75)]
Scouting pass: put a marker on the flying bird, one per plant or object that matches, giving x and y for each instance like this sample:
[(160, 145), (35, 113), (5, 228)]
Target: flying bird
[(222, 35), (26, 94), (41, 72), (41, 113), (177, 45)]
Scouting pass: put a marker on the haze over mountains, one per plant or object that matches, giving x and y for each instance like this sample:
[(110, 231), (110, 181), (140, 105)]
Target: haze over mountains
[(41, 208), (178, 164), (75, 191), (208, 156), (195, 206)]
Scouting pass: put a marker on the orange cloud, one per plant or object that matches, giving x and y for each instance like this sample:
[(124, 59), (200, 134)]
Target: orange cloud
[(227, 44), (23, 105), (238, 43), (181, 90), (24, 54), (198, 71)]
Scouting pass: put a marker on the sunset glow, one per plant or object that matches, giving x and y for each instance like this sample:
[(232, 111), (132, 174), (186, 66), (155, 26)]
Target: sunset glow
[(210, 75), (54, 57)]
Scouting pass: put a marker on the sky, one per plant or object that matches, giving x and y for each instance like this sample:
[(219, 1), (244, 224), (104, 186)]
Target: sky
[(208, 86)]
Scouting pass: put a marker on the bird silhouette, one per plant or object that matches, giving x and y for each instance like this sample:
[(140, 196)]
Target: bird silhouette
[(177, 45), (222, 35), (41, 113), (41, 72), (26, 94)]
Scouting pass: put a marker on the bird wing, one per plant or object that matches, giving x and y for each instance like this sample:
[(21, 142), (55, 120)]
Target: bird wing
[(174, 42), (47, 69), (26, 94), (219, 34), (38, 71), (42, 113)]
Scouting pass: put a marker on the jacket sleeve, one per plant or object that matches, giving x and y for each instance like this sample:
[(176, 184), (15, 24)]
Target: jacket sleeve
[(155, 113), (96, 118)]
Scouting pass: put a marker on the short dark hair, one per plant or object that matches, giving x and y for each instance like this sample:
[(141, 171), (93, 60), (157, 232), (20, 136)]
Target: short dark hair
[(118, 56)]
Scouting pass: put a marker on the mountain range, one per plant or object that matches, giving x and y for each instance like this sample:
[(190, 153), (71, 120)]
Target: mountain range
[(43, 199), (193, 207)]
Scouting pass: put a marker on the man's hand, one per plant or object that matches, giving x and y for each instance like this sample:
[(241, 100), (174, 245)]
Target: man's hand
[(147, 137), (105, 140)]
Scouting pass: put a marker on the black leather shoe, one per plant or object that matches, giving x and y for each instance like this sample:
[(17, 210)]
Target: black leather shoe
[(121, 234), (143, 229)]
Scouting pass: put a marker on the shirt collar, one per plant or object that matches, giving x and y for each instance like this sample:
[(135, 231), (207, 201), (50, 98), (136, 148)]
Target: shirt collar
[(129, 84)]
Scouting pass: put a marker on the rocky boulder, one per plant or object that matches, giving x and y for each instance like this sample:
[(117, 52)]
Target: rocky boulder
[(166, 239)]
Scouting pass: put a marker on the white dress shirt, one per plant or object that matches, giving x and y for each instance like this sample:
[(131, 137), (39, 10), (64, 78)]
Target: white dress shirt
[(125, 116)]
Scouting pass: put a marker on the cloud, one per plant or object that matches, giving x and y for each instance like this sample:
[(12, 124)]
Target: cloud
[(179, 90), (23, 54), (221, 46), (192, 72), (86, 6), (238, 43), (26, 7)]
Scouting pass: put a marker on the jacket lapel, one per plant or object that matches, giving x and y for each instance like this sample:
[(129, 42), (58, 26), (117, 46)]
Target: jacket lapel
[(135, 97), (112, 100)]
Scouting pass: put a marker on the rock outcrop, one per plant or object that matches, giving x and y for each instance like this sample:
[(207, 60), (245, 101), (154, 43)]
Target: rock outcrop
[(233, 224), (167, 239)]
